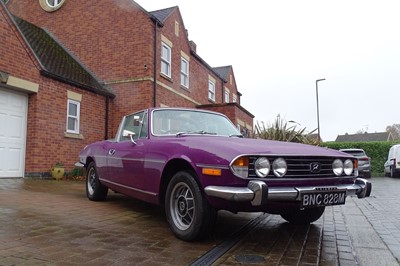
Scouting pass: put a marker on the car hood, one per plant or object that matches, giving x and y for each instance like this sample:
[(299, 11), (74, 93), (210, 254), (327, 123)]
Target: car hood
[(233, 146)]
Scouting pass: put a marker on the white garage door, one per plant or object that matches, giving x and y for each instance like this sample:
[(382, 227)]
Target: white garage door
[(13, 117)]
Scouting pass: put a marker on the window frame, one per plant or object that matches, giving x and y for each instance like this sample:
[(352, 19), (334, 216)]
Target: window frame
[(185, 74), (76, 118), (166, 61), (211, 93), (226, 96)]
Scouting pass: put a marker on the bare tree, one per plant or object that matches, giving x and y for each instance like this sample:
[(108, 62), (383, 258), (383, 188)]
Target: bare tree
[(394, 130)]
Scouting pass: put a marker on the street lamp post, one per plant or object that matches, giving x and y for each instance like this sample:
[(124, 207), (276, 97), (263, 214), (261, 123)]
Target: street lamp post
[(316, 88)]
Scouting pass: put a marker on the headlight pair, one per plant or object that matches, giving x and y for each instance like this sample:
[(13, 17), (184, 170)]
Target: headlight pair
[(338, 167), (262, 167)]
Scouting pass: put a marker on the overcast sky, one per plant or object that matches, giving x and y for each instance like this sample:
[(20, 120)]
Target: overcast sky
[(278, 49)]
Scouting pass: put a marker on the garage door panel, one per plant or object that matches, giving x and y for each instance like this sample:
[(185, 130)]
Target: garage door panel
[(16, 156), (2, 159), (3, 121), (13, 113), (16, 129)]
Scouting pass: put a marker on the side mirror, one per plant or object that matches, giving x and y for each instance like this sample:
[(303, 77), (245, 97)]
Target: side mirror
[(130, 134)]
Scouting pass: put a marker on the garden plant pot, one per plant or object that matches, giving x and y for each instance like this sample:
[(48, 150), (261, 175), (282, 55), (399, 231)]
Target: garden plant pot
[(57, 172)]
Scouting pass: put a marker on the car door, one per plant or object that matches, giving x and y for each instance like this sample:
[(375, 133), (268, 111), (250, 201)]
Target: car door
[(126, 158)]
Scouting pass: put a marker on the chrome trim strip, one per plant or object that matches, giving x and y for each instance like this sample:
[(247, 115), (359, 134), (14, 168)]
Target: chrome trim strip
[(137, 160), (212, 166), (130, 188)]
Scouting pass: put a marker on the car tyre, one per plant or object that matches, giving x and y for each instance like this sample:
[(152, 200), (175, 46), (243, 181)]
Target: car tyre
[(367, 175), (305, 216), (94, 189), (188, 212)]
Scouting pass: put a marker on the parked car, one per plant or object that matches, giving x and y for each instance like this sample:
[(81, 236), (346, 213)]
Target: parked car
[(392, 165), (195, 162), (364, 162)]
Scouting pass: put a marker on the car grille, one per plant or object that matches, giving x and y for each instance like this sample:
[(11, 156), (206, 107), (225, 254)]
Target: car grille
[(299, 167)]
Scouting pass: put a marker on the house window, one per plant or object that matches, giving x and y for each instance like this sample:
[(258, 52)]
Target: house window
[(234, 99), (166, 59), (227, 96), (184, 72), (211, 90), (73, 113)]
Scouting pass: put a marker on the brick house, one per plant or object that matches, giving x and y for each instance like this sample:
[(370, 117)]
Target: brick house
[(116, 58)]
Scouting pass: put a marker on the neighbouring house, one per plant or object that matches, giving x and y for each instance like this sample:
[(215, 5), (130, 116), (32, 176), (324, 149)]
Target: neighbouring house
[(74, 69), (365, 137)]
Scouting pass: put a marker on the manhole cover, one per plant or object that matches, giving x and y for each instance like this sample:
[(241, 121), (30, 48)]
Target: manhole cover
[(249, 258)]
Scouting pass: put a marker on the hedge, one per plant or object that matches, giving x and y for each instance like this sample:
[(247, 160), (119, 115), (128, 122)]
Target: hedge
[(377, 151)]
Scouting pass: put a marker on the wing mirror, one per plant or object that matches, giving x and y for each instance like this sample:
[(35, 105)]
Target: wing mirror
[(130, 134)]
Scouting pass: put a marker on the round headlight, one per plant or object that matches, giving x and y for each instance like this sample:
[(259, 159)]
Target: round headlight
[(348, 167), (279, 167), (262, 167), (337, 167)]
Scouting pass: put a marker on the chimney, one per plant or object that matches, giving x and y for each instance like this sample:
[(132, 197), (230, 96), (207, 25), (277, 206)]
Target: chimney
[(193, 46)]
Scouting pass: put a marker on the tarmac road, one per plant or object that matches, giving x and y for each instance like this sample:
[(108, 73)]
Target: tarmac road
[(46, 222)]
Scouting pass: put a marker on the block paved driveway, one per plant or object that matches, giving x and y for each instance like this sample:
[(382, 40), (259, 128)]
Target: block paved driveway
[(46, 222)]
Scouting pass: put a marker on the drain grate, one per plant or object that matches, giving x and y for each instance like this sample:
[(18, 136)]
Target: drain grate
[(214, 254)]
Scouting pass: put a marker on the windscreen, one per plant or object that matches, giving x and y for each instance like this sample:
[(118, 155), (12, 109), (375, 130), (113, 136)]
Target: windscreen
[(171, 121)]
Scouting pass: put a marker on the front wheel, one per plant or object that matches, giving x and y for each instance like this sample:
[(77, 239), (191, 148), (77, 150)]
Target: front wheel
[(94, 189), (188, 212), (305, 216)]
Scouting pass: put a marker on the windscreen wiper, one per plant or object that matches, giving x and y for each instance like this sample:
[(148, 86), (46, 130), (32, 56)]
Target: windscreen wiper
[(200, 132)]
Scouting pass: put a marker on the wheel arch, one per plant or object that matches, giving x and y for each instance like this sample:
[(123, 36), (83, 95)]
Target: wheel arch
[(170, 169)]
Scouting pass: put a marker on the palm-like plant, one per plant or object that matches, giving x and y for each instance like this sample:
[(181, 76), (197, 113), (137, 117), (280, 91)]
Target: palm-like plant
[(282, 130)]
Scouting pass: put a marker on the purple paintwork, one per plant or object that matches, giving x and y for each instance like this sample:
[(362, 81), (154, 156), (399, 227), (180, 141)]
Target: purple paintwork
[(142, 166)]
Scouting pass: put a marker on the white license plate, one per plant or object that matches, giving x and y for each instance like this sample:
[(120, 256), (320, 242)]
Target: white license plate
[(323, 198)]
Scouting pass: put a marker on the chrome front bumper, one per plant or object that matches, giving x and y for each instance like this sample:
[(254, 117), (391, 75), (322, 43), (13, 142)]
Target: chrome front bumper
[(257, 192)]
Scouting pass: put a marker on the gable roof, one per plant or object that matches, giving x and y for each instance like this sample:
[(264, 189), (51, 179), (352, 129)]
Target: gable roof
[(364, 137), (56, 62), (223, 71), (163, 14)]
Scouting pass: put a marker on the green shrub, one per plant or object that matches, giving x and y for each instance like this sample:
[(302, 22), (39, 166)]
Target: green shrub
[(377, 151), (283, 131)]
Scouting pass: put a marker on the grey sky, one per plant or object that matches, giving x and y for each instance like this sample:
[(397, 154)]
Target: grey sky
[(279, 48)]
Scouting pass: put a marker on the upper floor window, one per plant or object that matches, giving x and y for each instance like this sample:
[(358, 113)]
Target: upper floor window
[(227, 96), (234, 99), (211, 90), (166, 59), (73, 116), (184, 72)]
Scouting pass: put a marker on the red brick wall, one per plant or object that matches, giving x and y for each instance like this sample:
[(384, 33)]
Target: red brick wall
[(47, 110), (114, 39)]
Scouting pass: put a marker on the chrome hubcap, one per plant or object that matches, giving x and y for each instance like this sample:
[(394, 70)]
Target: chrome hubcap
[(182, 206)]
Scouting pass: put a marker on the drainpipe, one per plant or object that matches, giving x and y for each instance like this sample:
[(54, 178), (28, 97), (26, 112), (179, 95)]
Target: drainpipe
[(223, 91), (106, 118), (157, 23)]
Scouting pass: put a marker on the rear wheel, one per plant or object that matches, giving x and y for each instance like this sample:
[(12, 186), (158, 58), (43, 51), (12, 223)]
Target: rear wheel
[(305, 216), (393, 173), (188, 212), (94, 189)]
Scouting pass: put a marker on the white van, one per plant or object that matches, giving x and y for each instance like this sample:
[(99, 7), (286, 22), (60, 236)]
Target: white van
[(392, 165)]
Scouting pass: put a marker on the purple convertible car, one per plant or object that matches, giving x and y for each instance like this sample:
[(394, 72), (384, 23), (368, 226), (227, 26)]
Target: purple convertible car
[(195, 162)]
